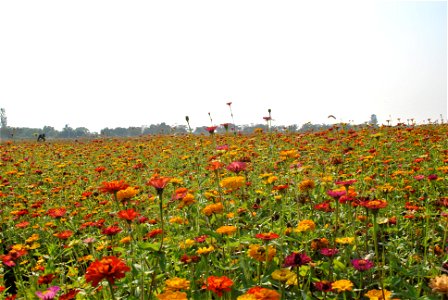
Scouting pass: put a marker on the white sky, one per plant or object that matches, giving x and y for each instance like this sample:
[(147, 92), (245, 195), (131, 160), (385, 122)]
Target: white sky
[(108, 63)]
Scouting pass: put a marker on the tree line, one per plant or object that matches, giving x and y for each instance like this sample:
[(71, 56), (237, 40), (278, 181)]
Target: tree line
[(7, 132)]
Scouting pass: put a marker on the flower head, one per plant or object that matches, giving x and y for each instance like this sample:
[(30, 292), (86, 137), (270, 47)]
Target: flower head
[(236, 166), (342, 285), (296, 259), (159, 183), (378, 295), (177, 284), (218, 285), (109, 268), (439, 284), (362, 264), (229, 230), (267, 236), (113, 187), (233, 183), (49, 293), (128, 214)]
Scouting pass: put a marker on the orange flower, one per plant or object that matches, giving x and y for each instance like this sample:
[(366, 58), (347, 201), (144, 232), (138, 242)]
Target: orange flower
[(128, 214), (263, 293), (56, 212), (177, 284), (213, 208), (112, 187), (218, 285), (109, 268), (374, 205), (229, 230), (159, 183), (170, 295)]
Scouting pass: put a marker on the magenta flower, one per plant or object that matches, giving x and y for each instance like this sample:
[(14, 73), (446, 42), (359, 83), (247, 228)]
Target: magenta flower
[(362, 264), (329, 252), (336, 193), (48, 294)]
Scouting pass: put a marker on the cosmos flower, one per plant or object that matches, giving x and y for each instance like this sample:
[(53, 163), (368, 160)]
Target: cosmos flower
[(49, 293)]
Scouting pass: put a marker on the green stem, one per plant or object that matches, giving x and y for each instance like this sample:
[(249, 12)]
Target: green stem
[(111, 290)]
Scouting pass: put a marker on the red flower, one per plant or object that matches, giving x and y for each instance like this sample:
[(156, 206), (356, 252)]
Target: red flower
[(211, 129), (218, 285), (46, 279), (159, 183), (296, 259), (237, 166), (111, 230), (128, 214), (70, 295), (63, 235), (109, 268), (113, 187), (266, 236), (214, 165), (56, 212), (154, 233)]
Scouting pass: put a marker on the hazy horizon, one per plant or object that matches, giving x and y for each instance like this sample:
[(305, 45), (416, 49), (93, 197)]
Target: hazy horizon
[(99, 64)]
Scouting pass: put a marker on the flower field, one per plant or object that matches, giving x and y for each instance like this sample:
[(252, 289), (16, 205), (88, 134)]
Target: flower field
[(345, 213)]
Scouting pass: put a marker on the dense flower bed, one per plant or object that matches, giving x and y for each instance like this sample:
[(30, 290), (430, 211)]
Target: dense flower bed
[(337, 214)]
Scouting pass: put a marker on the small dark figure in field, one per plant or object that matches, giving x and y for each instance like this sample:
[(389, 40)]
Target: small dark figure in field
[(41, 137)]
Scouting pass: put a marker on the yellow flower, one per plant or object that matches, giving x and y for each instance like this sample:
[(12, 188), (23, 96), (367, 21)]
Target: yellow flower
[(258, 252), (345, 240), (32, 238), (292, 280), (282, 275), (305, 225), (229, 230), (271, 179), (342, 285), (176, 284), (439, 284), (233, 183), (205, 250), (169, 295), (187, 243), (378, 295)]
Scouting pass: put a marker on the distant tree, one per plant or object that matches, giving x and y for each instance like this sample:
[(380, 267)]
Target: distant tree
[(373, 120), (3, 123)]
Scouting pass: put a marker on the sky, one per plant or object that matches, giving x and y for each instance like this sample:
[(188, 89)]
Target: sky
[(109, 63)]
